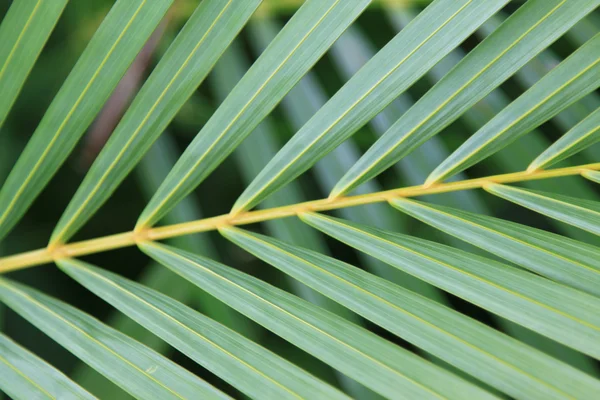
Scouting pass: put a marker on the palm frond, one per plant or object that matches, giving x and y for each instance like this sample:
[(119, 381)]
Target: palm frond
[(24, 32), (99, 69), (360, 306), (135, 368), (426, 40)]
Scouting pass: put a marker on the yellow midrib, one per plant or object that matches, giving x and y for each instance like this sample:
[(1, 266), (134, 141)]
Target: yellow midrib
[(46, 255)]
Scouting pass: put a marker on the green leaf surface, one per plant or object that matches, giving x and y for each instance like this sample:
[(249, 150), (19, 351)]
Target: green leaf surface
[(299, 106), (484, 353), (23, 33), (571, 80), (584, 214), (349, 53), (557, 257), (114, 46), (205, 36), (239, 361), (442, 26), (252, 155), (533, 27), (26, 376), (255, 152), (300, 44), (385, 368), (134, 367), (149, 173), (550, 309), (515, 156), (580, 137), (593, 176)]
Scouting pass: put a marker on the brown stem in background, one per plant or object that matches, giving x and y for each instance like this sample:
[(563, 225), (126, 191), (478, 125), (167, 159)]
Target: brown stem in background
[(115, 107)]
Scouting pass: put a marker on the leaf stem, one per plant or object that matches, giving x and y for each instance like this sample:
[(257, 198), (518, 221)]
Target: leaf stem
[(49, 254)]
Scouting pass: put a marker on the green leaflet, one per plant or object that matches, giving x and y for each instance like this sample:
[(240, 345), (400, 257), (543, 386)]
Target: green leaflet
[(385, 368), (25, 376), (23, 33), (426, 40), (192, 55), (571, 80), (532, 28), (99, 69), (580, 137), (486, 354), (584, 214), (131, 365), (566, 315), (593, 176), (304, 39), (560, 258), (239, 361)]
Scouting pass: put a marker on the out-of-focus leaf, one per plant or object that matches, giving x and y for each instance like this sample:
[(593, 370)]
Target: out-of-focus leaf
[(303, 40), (442, 26), (205, 36), (571, 80), (553, 310), (131, 365), (387, 369), (533, 27), (25, 376), (465, 343), (245, 365), (99, 69), (23, 33), (557, 257), (583, 135), (584, 214)]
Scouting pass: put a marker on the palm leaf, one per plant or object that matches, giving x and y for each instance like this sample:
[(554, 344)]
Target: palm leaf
[(99, 69), (436, 31), (583, 135), (584, 214), (571, 80), (562, 259), (591, 175), (429, 326), (135, 368), (377, 364), (252, 155), (298, 46), (23, 375), (524, 298), (527, 32), (427, 320), (229, 355), (23, 33), (209, 30)]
